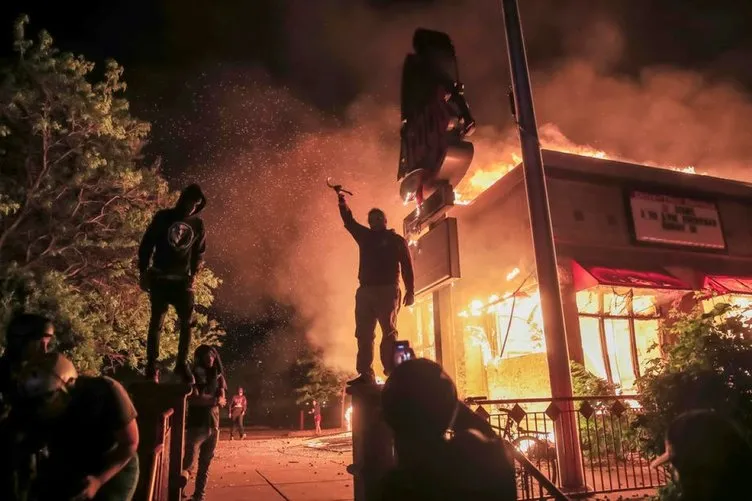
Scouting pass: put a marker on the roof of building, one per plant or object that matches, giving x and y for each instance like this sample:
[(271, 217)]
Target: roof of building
[(577, 167)]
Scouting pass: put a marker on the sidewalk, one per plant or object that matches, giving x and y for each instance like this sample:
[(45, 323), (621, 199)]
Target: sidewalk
[(278, 469), (264, 468)]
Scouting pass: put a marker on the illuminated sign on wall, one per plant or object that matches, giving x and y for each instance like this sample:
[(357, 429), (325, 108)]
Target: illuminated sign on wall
[(676, 220)]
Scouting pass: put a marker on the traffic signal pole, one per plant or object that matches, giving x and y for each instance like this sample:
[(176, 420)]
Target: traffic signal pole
[(565, 423)]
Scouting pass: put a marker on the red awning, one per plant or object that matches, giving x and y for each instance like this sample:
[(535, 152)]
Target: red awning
[(728, 285), (586, 277)]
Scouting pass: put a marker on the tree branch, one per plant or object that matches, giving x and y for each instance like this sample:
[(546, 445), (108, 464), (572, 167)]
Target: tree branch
[(24, 211)]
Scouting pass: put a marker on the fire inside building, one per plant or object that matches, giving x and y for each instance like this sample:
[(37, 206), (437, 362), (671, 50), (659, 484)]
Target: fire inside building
[(632, 243), (563, 259)]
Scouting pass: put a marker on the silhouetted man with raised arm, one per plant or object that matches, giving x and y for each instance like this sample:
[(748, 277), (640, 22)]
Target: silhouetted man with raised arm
[(383, 256), (169, 257)]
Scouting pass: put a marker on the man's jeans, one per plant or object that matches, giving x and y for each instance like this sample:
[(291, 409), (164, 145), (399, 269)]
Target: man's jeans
[(376, 304), (237, 424), (199, 445), (166, 292)]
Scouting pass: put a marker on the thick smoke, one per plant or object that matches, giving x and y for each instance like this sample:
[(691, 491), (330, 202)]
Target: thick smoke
[(274, 226)]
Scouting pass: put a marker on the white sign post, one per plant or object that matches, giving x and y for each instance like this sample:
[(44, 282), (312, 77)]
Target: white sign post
[(676, 221)]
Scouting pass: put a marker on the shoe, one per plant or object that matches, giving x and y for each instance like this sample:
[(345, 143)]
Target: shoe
[(184, 477), (232, 438), (184, 373), (362, 379), (242, 436)]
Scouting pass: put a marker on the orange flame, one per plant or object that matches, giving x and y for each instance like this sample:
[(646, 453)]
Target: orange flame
[(482, 177)]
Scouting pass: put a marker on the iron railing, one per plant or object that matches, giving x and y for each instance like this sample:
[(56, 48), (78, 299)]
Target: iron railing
[(159, 474), (611, 458), (532, 483)]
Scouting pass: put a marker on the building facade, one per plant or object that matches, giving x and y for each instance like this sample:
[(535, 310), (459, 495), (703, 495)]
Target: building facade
[(633, 244)]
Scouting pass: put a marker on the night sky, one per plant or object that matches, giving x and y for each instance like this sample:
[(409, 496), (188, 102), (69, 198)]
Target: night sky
[(260, 99)]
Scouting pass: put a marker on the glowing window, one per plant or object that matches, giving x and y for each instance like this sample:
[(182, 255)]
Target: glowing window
[(619, 332)]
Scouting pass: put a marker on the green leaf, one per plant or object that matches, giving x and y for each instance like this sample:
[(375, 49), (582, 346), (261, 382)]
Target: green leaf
[(74, 204)]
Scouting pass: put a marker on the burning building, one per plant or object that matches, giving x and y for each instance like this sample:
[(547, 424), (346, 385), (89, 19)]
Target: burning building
[(632, 242)]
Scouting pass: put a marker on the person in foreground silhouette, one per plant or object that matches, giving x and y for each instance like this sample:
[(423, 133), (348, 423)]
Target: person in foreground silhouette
[(443, 452), (169, 257), (710, 456), (28, 335), (383, 256), (89, 427)]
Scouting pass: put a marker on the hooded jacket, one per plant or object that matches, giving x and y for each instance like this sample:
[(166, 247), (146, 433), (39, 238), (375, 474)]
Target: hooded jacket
[(175, 241)]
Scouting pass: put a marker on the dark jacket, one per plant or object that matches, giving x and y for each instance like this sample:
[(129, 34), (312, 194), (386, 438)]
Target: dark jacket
[(175, 241), (383, 254)]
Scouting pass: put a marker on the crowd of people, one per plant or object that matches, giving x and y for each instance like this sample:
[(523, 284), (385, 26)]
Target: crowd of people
[(71, 437), (65, 436)]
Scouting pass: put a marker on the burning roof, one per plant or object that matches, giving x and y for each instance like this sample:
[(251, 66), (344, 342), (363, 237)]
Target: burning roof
[(591, 164)]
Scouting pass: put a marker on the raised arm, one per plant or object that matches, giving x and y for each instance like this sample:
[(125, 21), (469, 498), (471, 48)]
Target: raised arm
[(356, 229), (406, 267)]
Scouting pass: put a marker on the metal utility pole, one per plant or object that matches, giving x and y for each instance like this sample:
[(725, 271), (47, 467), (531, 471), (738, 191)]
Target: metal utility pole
[(567, 438)]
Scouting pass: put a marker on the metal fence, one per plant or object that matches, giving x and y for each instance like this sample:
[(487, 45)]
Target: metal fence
[(610, 455), (160, 468)]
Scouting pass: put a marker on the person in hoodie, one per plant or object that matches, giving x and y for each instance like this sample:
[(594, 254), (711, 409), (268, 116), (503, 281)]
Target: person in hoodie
[(169, 257), (383, 256)]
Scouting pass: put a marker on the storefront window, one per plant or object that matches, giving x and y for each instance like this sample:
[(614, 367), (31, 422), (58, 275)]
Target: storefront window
[(742, 304), (504, 352), (619, 352), (619, 334), (647, 341), (592, 347), (425, 338), (517, 327)]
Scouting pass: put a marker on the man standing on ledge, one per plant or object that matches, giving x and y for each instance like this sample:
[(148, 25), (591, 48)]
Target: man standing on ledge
[(383, 254), (169, 257)]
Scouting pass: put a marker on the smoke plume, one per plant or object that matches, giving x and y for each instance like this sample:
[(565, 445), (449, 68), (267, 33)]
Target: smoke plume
[(264, 152)]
